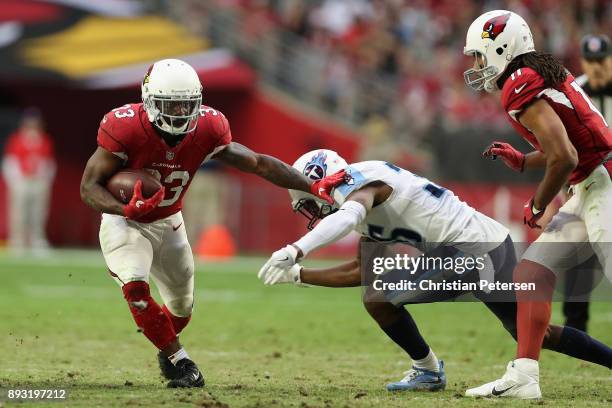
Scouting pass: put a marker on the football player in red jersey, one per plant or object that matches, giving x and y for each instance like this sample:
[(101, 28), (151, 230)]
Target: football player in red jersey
[(170, 134), (573, 143)]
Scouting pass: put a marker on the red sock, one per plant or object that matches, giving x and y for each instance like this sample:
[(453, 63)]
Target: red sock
[(178, 323), (148, 315), (533, 307)]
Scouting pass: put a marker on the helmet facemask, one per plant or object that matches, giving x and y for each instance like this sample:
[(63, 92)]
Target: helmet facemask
[(478, 76), (175, 114), (313, 210)]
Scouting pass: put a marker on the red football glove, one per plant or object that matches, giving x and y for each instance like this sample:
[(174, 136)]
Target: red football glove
[(529, 217), (512, 157), (139, 206), (322, 188)]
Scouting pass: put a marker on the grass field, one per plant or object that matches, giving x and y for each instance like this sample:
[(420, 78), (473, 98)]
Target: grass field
[(64, 324)]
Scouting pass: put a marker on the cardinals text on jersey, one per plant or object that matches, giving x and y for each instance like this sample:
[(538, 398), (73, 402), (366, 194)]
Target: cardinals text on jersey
[(127, 133)]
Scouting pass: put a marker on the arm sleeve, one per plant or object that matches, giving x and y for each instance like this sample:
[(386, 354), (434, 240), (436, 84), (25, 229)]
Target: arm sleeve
[(333, 227), (109, 140)]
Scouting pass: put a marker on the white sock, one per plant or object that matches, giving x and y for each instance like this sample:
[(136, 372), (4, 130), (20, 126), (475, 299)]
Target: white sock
[(429, 363), (179, 355)]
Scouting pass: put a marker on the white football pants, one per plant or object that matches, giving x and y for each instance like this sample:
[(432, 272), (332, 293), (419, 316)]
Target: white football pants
[(134, 251)]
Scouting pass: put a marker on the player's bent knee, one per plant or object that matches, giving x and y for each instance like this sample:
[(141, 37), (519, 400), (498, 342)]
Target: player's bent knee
[(377, 308), (552, 336), (371, 307), (181, 307)]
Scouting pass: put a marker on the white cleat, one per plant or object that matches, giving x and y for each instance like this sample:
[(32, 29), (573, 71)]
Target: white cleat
[(521, 380)]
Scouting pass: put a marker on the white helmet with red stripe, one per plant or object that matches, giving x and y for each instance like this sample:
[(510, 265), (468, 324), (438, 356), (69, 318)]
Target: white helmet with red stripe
[(494, 39), (315, 165)]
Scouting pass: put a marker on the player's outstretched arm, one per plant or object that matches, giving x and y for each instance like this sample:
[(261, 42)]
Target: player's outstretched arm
[(352, 213), (560, 155), (344, 275), (281, 267), (348, 274), (267, 167), (276, 171), (101, 166)]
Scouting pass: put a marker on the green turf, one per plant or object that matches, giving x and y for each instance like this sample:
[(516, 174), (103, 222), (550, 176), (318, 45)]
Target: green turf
[(64, 324)]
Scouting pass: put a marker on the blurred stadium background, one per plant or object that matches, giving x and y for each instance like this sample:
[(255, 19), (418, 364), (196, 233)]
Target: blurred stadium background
[(370, 79)]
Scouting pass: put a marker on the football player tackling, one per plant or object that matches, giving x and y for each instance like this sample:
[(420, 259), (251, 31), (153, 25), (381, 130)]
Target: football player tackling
[(385, 203), (573, 144), (170, 134)]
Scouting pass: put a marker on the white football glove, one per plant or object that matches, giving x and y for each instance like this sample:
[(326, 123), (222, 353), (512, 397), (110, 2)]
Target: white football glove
[(284, 275), (279, 263)]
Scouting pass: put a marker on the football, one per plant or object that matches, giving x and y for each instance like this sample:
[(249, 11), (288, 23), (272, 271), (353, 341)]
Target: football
[(121, 185)]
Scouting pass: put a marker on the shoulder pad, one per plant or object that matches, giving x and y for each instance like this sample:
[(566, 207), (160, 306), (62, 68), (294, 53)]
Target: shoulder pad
[(214, 127), (120, 128), (520, 90)]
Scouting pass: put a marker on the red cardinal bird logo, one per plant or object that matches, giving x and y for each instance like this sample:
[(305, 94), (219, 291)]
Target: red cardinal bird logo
[(495, 26)]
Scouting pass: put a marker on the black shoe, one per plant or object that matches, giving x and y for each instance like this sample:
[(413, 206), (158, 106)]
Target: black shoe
[(168, 370), (189, 375)]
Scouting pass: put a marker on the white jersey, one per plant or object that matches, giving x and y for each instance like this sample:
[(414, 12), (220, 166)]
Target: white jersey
[(419, 212)]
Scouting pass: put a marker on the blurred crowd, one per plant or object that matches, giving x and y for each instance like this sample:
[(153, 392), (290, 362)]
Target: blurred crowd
[(392, 67)]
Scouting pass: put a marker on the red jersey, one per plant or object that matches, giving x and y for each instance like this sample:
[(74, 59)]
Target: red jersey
[(584, 124), (127, 133), (30, 153)]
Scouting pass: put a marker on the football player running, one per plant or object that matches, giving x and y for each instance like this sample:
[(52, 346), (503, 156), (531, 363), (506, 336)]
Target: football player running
[(573, 143), (385, 203), (170, 134)]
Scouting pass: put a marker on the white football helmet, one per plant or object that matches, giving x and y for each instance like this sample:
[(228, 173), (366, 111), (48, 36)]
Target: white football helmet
[(315, 165), (172, 96), (494, 39)]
